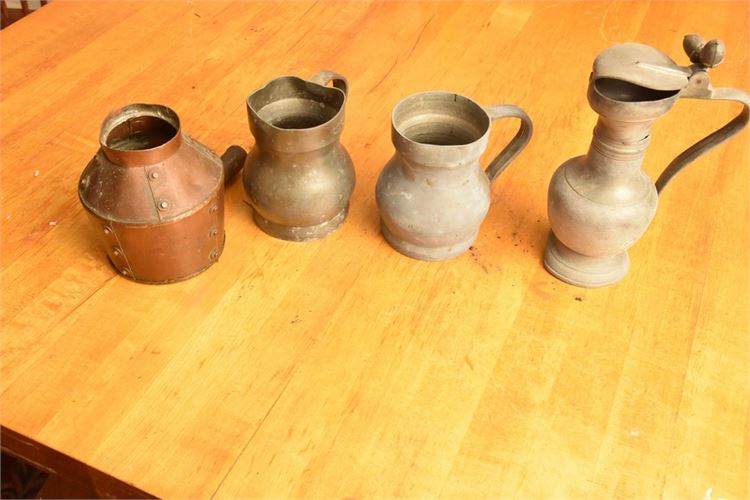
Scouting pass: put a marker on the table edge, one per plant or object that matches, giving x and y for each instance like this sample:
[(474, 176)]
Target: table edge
[(52, 461)]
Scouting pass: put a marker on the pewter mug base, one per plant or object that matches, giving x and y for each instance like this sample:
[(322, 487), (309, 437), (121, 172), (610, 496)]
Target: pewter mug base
[(304, 233), (582, 270), (426, 253)]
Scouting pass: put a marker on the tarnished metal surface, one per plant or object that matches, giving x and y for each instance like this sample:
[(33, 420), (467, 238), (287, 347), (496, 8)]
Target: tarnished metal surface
[(600, 204), (433, 194), (155, 196), (299, 177)]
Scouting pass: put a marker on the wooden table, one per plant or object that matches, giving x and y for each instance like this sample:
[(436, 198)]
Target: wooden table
[(340, 367)]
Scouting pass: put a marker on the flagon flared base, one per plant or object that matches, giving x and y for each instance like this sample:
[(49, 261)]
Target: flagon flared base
[(582, 270), (426, 253), (300, 233)]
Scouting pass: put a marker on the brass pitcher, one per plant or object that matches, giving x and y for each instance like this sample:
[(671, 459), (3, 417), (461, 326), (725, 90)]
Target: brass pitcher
[(155, 196), (433, 194), (600, 204), (299, 177)]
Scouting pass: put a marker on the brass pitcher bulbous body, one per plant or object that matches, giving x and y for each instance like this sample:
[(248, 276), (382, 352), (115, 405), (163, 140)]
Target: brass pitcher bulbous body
[(600, 204), (299, 177)]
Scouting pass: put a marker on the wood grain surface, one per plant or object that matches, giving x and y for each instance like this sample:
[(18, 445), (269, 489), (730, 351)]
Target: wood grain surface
[(340, 368)]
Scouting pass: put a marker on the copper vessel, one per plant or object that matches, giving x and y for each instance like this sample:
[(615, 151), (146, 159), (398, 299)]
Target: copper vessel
[(155, 196), (600, 204)]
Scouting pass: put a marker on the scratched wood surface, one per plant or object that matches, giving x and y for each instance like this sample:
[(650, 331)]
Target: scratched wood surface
[(339, 367)]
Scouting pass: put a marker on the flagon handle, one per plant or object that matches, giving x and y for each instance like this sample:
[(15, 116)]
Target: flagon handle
[(324, 77), (712, 140), (516, 145)]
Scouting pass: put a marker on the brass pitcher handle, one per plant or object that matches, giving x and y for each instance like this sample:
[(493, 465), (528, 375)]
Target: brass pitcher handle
[(324, 77), (516, 145), (715, 138)]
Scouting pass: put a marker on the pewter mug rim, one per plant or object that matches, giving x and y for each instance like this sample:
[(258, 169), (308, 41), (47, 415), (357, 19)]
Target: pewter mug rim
[(469, 102), (266, 123)]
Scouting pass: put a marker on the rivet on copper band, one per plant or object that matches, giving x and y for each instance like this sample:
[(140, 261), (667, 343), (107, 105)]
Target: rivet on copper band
[(163, 205), (154, 175), (107, 230), (214, 254), (213, 232), (213, 209), (116, 251)]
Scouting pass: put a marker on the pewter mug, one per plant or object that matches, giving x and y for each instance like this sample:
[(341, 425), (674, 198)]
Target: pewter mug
[(600, 204), (299, 177), (155, 196), (433, 194)]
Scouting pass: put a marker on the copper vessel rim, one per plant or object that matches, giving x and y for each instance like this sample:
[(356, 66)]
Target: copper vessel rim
[(437, 147), (326, 123), (134, 110)]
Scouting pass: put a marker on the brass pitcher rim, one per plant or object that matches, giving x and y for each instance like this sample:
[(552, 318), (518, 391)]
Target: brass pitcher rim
[(270, 125)]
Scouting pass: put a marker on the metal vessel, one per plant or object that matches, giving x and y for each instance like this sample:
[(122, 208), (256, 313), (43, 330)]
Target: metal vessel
[(433, 194), (600, 204), (155, 196), (299, 177)]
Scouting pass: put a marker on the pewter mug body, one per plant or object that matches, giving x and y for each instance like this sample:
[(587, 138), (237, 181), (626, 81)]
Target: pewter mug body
[(299, 177), (600, 204), (155, 196), (433, 194)]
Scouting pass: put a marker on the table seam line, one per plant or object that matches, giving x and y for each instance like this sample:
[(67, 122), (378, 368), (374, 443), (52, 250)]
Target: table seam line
[(242, 451)]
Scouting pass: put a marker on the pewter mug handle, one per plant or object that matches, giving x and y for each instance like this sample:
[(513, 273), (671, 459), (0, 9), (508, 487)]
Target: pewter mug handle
[(516, 145), (714, 139), (324, 77)]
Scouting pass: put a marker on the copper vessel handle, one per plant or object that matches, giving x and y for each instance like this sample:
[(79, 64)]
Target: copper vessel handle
[(715, 138), (516, 145), (232, 162), (324, 77)]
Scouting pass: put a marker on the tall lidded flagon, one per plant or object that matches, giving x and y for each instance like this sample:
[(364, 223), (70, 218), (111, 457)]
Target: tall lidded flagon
[(600, 204)]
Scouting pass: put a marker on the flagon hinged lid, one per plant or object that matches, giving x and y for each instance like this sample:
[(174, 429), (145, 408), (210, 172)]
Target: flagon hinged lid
[(641, 65)]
